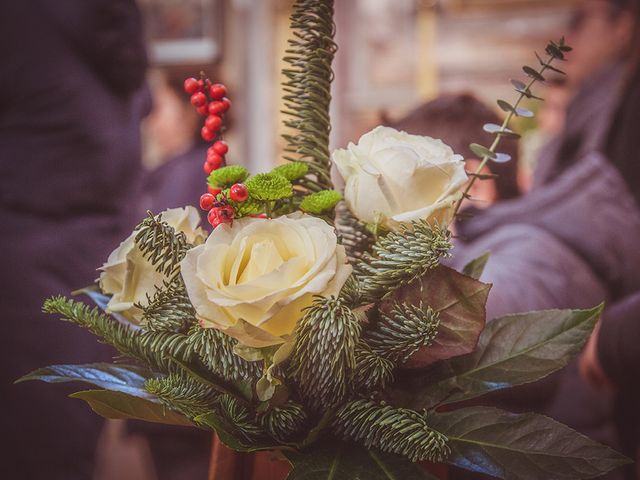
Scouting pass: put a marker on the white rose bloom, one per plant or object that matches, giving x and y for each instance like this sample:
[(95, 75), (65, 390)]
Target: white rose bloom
[(253, 279), (393, 177), (129, 277)]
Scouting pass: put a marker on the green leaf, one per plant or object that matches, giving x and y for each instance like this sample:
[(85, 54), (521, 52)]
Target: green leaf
[(512, 350), (522, 447), (518, 84), (460, 300), (498, 130), (475, 267), (502, 158), (505, 106), (525, 113), (120, 405), (335, 460), (119, 378), (533, 73), (554, 51), (481, 151), (229, 438)]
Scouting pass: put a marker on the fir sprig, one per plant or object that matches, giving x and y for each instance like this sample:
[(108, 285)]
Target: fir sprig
[(353, 234), (307, 89), (324, 354), (153, 349), (401, 257), (169, 309), (394, 430), (283, 423), (398, 335), (373, 372), (238, 418), (182, 393), (161, 244)]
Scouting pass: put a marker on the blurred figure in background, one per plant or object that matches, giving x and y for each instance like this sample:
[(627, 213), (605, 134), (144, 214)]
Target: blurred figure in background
[(71, 100), (457, 120)]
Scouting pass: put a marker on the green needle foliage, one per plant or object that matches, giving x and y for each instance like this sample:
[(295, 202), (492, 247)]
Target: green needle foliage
[(307, 89), (215, 350), (394, 430), (400, 334), (169, 310), (238, 418), (284, 423), (161, 244), (401, 257), (354, 235), (152, 349), (182, 393), (373, 372), (324, 354)]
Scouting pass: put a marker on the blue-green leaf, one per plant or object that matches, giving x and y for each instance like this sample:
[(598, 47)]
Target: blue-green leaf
[(476, 266), (521, 446), (120, 378)]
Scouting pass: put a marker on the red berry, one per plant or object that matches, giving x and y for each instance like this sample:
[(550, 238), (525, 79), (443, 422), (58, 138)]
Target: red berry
[(216, 107), (214, 218), (213, 191), (206, 201), (238, 192), (220, 147), (202, 110), (198, 99), (217, 91), (226, 213), (207, 135), (213, 123), (214, 159), (208, 168), (191, 86), (227, 104)]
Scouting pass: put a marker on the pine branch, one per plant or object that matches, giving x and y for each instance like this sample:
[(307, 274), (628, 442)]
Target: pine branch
[(161, 244), (394, 430), (353, 234), (169, 310), (401, 257), (324, 354), (182, 393), (400, 334), (215, 350), (373, 372), (238, 418), (151, 349), (285, 422), (307, 89)]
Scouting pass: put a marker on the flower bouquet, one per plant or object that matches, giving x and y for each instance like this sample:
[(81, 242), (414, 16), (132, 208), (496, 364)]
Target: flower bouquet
[(326, 329)]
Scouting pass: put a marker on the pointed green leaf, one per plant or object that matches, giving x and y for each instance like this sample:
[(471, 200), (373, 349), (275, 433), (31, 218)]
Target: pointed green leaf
[(475, 267), (460, 300), (533, 73), (481, 151), (521, 446), (229, 438), (119, 405), (512, 350), (336, 460), (555, 69), (119, 378)]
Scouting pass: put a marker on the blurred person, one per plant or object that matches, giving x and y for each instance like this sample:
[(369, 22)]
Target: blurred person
[(457, 120), (71, 100), (596, 71)]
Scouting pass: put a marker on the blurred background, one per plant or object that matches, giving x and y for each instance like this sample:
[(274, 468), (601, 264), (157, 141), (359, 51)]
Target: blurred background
[(95, 128)]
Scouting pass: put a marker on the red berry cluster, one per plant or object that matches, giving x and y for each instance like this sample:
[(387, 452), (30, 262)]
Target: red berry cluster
[(210, 101)]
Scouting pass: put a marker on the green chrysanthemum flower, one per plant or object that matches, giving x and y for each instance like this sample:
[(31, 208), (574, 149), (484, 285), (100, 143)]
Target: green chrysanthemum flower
[(292, 171), (226, 176), (320, 202), (266, 187)]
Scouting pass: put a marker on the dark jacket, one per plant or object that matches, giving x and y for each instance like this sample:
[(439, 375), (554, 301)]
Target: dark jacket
[(71, 101)]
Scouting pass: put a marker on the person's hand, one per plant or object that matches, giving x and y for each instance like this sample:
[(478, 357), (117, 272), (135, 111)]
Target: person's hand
[(589, 364)]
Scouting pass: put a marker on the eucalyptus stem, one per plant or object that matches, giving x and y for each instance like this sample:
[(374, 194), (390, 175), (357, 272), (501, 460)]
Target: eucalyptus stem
[(499, 134)]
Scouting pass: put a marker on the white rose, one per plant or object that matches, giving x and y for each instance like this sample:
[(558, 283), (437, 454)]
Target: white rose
[(253, 279), (393, 177), (129, 277)]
